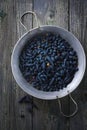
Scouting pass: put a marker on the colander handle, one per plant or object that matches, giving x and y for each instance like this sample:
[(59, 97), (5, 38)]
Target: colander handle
[(29, 12), (60, 107)]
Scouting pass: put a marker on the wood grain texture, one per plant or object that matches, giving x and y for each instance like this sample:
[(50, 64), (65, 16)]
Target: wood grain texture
[(10, 31), (69, 14)]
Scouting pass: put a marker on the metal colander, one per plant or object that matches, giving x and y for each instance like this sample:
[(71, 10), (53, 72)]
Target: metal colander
[(19, 46)]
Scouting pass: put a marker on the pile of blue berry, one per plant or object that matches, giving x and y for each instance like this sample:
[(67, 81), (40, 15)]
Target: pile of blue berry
[(48, 62)]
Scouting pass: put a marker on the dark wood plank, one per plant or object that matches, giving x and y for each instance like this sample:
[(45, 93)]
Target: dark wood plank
[(78, 26), (24, 118), (48, 117), (11, 113)]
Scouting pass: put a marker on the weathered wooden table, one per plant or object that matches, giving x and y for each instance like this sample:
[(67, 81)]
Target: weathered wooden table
[(69, 14)]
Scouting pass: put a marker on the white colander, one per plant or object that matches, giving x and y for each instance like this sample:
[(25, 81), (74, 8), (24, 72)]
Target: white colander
[(74, 42)]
